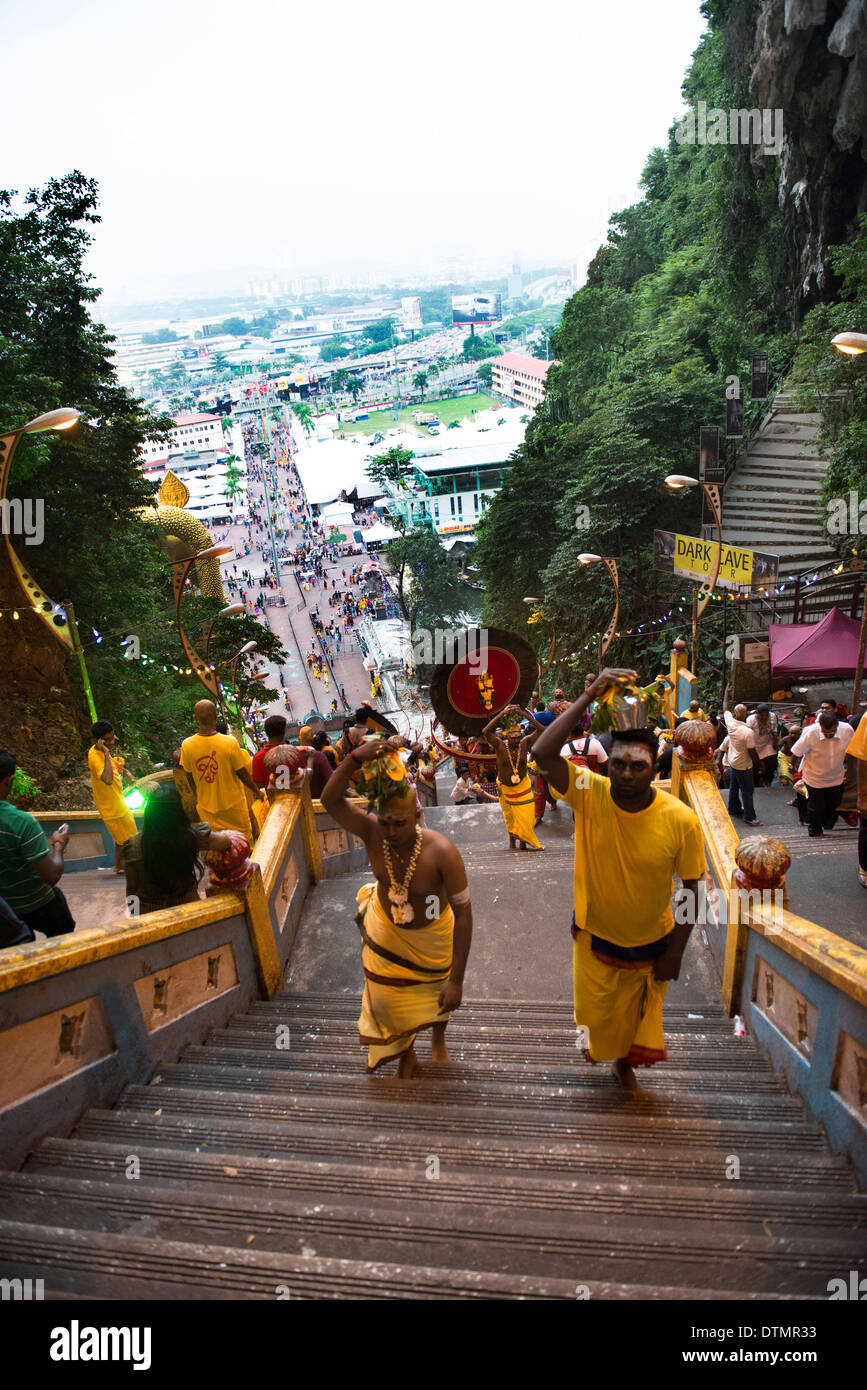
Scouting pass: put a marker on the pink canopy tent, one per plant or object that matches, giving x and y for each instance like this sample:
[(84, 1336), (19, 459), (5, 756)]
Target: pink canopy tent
[(826, 650)]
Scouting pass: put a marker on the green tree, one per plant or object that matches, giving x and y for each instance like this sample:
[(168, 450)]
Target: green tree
[(234, 486), (394, 466), (419, 381), (428, 580), (304, 415), (380, 331), (485, 373), (161, 335), (354, 385), (235, 326), (332, 349)]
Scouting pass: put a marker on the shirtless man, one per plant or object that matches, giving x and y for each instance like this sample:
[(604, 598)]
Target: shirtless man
[(416, 921), (513, 783)]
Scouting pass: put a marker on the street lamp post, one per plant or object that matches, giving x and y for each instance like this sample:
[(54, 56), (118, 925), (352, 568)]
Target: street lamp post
[(200, 668), (611, 565), (677, 481), (50, 613)]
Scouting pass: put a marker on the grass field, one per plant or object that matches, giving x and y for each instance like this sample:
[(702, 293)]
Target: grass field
[(455, 408)]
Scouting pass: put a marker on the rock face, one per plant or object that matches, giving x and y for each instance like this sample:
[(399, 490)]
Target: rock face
[(810, 61), (41, 719)]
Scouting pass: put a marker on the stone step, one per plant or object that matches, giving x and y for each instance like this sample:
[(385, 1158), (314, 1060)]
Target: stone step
[(471, 1090), (598, 1118), (487, 1238), (106, 1266), (703, 1160), (725, 1202), (480, 1059), (787, 498), (337, 1003)]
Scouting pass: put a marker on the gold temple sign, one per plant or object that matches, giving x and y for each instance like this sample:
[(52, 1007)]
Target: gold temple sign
[(692, 558), (173, 493)]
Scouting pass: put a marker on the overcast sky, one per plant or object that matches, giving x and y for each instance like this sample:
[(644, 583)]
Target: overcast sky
[(230, 138)]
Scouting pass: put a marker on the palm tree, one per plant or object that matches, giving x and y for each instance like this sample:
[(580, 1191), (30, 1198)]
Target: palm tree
[(226, 424), (354, 386), (304, 415), (419, 381)]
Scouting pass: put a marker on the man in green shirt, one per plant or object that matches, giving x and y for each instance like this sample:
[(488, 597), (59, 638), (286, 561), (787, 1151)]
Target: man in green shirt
[(29, 870)]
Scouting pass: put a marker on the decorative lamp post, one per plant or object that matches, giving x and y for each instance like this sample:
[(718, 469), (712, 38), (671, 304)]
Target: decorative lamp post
[(611, 565), (59, 619), (850, 344), (701, 597), (200, 667), (231, 610)]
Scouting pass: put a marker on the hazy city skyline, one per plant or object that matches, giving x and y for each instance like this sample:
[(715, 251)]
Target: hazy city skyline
[(368, 140)]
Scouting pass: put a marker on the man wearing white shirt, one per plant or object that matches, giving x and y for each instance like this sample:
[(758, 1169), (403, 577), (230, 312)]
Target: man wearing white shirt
[(739, 750), (764, 725), (823, 747)]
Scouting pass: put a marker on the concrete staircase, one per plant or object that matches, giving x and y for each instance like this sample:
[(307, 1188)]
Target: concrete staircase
[(248, 1171), (773, 500)]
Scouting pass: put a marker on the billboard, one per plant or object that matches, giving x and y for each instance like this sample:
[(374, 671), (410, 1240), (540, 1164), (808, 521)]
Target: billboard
[(709, 470), (691, 558), (476, 308), (410, 310)]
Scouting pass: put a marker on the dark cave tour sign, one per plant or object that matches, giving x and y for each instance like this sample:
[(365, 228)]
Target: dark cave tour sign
[(492, 668)]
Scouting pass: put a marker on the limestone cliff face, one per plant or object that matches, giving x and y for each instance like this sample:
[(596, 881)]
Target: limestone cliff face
[(810, 61)]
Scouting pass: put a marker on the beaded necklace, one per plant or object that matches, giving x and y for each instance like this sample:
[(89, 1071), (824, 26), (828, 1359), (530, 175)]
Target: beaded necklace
[(399, 895)]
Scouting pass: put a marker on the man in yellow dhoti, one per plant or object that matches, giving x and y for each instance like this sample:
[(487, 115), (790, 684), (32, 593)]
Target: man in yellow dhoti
[(415, 921), (106, 774), (503, 732), (630, 838)]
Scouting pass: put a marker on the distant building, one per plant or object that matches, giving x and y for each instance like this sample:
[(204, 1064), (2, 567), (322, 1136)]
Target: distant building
[(520, 379), (452, 490), (191, 434)]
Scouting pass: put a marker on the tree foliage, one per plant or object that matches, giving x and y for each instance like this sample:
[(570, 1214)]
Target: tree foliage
[(97, 552), (684, 290), (394, 466)]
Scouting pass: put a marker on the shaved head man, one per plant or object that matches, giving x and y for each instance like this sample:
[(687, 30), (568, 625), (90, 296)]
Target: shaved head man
[(415, 920), (219, 769)]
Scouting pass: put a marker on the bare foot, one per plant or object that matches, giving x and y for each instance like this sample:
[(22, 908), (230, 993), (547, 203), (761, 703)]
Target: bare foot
[(438, 1051), (537, 821), (626, 1076), (406, 1066)]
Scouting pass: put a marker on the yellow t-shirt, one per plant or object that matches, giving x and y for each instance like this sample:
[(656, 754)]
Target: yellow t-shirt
[(108, 799), (858, 747), (212, 760), (699, 714), (624, 860)]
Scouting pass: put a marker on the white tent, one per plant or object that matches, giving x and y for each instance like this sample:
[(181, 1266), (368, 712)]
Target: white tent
[(379, 532)]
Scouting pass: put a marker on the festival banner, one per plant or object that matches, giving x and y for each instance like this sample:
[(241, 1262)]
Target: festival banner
[(691, 558)]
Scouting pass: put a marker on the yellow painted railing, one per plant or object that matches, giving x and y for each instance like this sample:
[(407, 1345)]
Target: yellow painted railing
[(840, 962)]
